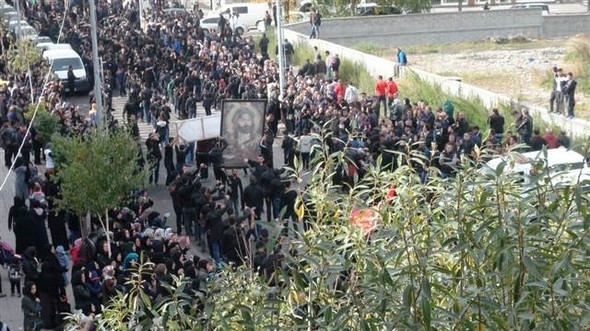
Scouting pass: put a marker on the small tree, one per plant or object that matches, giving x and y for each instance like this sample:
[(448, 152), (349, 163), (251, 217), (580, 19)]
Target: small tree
[(45, 123), (21, 55), (97, 172), (414, 6)]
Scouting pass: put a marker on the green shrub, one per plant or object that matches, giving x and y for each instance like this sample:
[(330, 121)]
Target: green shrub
[(471, 253), (578, 54), (45, 123), (415, 88)]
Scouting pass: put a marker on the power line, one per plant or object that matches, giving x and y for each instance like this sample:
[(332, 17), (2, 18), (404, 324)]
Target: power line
[(45, 80)]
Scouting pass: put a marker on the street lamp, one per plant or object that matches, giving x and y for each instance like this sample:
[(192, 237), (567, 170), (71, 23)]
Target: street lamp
[(281, 47), (95, 63)]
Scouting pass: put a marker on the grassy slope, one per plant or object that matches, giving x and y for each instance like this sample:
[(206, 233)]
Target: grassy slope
[(416, 89)]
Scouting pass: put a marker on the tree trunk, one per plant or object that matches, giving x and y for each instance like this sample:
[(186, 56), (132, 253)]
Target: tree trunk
[(108, 233), (85, 225), (105, 226)]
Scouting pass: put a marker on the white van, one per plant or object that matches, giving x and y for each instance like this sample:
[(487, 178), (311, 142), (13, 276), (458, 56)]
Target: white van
[(60, 60), (249, 14), (46, 46)]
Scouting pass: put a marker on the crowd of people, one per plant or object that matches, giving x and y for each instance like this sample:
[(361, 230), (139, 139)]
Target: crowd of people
[(174, 66)]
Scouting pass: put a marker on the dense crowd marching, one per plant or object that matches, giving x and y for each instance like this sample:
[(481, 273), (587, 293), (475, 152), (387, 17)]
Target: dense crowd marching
[(174, 66)]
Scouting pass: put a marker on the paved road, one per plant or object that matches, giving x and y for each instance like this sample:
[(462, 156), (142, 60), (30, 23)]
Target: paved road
[(10, 311)]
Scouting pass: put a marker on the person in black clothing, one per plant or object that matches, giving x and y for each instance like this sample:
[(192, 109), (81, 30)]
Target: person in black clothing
[(288, 198), (266, 147), (154, 156), (214, 226), (71, 80), (130, 109), (235, 192), (169, 161), (36, 145), (288, 146), (233, 242), (50, 284), (18, 219), (275, 189), (173, 188), (216, 160), (258, 167), (496, 123), (221, 24), (200, 200), (189, 212), (536, 143), (253, 197), (263, 44)]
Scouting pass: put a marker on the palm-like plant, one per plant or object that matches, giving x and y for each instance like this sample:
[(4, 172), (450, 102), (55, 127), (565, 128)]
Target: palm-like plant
[(477, 251)]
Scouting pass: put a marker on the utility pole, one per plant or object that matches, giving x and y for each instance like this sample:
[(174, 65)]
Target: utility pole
[(281, 48), (96, 64), (19, 37)]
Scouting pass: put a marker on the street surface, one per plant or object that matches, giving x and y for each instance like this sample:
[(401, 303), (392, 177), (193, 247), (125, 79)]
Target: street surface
[(10, 311)]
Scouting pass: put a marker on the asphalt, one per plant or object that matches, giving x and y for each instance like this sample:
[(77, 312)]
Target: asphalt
[(10, 311)]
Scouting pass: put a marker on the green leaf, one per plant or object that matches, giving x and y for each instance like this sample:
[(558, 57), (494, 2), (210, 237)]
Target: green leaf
[(531, 267), (426, 312)]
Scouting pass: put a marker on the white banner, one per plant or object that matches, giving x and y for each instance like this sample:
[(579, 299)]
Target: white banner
[(199, 128)]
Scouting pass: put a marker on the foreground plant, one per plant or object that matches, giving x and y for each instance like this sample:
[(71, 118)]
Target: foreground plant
[(475, 252)]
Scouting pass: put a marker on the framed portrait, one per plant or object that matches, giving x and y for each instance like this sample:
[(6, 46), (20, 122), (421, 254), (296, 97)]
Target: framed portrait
[(242, 127)]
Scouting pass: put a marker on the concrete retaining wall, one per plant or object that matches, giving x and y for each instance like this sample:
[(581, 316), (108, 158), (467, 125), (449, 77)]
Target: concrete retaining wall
[(446, 27), (565, 25), (379, 66)]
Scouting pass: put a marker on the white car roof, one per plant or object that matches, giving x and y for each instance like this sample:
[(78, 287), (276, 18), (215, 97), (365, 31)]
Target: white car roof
[(59, 53), (555, 157), (51, 46)]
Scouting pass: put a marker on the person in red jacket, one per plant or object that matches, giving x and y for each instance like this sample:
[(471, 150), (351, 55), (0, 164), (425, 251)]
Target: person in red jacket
[(339, 90), (550, 139), (380, 94), (391, 90)]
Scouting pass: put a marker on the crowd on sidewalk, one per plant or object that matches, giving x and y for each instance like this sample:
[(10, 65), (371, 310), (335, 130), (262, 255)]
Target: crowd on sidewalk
[(174, 63)]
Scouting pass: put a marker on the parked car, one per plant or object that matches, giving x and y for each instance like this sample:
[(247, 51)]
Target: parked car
[(543, 6), (293, 17), (371, 8), (40, 39), (555, 162), (14, 23), (6, 8), (210, 23), (60, 60), (9, 16), (26, 31)]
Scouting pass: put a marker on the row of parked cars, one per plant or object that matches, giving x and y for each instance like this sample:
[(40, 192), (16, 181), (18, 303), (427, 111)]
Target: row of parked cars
[(59, 56), (12, 20)]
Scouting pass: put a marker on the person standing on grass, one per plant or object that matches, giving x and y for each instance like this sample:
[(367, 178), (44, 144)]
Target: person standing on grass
[(401, 61), (496, 123), (569, 90), (381, 95)]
